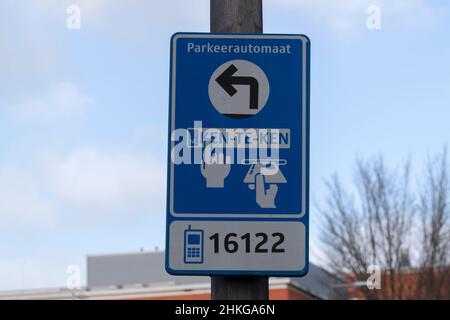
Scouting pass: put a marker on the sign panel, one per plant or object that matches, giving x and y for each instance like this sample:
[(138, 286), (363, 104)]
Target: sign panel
[(238, 167)]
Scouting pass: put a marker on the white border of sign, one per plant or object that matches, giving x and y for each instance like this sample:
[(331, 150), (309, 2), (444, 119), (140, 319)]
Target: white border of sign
[(304, 41)]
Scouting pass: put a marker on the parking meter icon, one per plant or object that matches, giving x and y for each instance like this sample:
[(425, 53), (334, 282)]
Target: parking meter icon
[(193, 245)]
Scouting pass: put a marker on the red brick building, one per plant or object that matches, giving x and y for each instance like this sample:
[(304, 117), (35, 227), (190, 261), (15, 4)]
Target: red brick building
[(411, 283)]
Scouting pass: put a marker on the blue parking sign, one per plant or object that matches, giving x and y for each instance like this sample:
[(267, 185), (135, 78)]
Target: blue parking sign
[(238, 155)]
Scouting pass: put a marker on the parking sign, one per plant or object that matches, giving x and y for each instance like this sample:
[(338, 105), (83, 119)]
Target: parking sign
[(238, 156)]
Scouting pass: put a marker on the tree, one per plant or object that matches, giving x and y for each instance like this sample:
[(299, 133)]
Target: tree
[(403, 230), (434, 278)]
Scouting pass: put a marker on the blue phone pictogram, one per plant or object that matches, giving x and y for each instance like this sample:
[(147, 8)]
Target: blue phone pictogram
[(193, 245)]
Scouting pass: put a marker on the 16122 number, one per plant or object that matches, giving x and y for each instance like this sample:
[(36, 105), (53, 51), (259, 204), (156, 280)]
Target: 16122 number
[(231, 242)]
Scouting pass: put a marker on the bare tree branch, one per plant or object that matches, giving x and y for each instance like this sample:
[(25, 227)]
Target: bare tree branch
[(435, 212)]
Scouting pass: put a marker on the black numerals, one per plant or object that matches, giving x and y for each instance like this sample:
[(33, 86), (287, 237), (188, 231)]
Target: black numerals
[(259, 242)]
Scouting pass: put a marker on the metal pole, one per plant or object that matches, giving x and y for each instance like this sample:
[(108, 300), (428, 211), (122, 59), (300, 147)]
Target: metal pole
[(237, 16)]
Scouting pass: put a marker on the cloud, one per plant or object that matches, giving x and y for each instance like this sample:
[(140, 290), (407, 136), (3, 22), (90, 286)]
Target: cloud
[(21, 201), (407, 14), (34, 273), (104, 181), (103, 191), (30, 51), (90, 181), (62, 101), (344, 18), (132, 19)]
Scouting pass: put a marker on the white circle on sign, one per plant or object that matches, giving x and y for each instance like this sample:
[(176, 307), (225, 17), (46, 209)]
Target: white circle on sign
[(238, 89)]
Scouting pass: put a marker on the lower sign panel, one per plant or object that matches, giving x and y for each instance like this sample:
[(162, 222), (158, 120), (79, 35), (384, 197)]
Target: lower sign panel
[(235, 246)]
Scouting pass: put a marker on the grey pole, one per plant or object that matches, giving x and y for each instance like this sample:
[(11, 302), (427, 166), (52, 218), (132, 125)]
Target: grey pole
[(237, 16)]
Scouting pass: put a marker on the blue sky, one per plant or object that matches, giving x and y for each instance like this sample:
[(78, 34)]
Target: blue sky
[(83, 114)]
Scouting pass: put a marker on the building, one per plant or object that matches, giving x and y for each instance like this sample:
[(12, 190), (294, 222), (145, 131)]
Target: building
[(142, 276), (410, 283)]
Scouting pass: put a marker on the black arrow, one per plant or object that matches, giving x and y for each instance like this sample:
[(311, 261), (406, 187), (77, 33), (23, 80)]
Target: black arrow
[(226, 80)]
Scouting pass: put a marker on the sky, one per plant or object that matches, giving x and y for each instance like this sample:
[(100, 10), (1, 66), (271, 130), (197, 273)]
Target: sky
[(84, 113)]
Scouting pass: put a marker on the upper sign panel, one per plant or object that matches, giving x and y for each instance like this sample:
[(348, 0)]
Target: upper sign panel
[(238, 126)]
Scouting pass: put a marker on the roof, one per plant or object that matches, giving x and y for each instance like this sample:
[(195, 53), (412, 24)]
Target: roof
[(142, 274), (321, 283), (122, 270), (140, 268)]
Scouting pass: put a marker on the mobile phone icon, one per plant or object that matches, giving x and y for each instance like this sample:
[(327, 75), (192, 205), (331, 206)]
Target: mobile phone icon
[(193, 245)]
